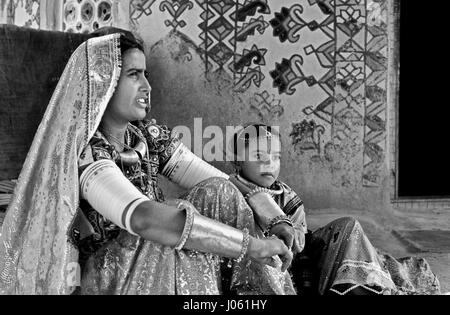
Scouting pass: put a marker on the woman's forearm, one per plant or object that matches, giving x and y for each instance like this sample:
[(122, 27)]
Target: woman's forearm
[(158, 222), (164, 224)]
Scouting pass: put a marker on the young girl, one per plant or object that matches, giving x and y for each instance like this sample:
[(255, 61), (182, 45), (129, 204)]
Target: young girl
[(257, 150), (335, 259)]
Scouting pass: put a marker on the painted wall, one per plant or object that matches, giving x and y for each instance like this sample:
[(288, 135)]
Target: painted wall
[(316, 68)]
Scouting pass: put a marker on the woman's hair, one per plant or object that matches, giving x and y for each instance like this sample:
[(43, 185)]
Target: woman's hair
[(127, 39), (244, 136)]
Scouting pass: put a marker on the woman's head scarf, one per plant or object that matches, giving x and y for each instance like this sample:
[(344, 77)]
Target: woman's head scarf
[(36, 255)]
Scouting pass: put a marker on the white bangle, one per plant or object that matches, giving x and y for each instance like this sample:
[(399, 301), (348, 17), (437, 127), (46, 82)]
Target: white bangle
[(109, 192), (187, 169)]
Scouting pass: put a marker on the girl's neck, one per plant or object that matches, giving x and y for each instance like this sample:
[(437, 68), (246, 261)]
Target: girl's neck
[(252, 185), (246, 181)]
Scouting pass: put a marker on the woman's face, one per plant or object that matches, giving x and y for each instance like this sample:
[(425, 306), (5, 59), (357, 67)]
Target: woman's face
[(131, 100), (262, 161)]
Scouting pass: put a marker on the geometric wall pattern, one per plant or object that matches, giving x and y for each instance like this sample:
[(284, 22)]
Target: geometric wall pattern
[(324, 60)]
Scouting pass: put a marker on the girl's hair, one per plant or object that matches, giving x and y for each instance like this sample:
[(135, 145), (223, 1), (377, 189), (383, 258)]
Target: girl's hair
[(127, 39), (244, 137)]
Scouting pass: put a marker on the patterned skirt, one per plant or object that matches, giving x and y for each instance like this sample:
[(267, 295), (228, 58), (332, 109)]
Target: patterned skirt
[(339, 259)]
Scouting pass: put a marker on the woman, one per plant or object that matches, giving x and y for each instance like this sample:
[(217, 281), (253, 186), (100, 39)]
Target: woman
[(337, 258), (88, 195)]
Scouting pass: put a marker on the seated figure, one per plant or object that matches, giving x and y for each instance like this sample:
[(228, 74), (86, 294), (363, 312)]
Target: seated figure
[(87, 215), (335, 259)]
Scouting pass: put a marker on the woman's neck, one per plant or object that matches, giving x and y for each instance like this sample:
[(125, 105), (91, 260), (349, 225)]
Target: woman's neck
[(114, 132)]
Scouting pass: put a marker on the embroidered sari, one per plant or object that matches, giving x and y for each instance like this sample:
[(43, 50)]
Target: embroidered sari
[(43, 235)]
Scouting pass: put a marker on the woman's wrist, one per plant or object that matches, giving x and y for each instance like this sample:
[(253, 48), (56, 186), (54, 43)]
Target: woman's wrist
[(245, 245), (256, 248), (252, 246)]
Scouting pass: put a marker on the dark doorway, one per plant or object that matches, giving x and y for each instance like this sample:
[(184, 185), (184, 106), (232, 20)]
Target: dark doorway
[(424, 124)]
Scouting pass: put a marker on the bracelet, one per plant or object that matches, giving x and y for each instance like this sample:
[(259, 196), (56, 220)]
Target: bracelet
[(278, 219), (187, 228), (258, 190), (245, 242)]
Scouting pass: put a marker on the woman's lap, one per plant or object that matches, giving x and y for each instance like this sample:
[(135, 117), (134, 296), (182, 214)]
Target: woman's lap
[(132, 265)]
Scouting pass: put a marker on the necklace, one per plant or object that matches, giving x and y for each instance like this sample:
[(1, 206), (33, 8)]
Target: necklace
[(253, 186), (132, 155)]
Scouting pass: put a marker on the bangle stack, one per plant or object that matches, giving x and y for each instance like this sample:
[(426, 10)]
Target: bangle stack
[(245, 242), (277, 220)]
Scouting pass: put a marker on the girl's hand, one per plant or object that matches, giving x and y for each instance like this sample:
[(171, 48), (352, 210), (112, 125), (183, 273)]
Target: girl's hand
[(263, 250), (287, 234)]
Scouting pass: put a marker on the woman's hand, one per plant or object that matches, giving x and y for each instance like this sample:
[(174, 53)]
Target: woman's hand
[(287, 234), (263, 250)]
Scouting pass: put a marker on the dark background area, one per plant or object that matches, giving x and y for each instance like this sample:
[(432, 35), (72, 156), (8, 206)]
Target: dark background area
[(31, 63), (424, 164)]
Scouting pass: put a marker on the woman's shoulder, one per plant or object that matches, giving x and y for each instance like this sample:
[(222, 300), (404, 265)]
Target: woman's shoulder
[(97, 149)]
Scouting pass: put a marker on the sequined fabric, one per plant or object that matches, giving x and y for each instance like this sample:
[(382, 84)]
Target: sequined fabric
[(218, 199), (131, 265)]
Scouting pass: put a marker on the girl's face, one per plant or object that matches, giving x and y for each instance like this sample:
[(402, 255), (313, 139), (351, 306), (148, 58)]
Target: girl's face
[(131, 100), (262, 161)]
